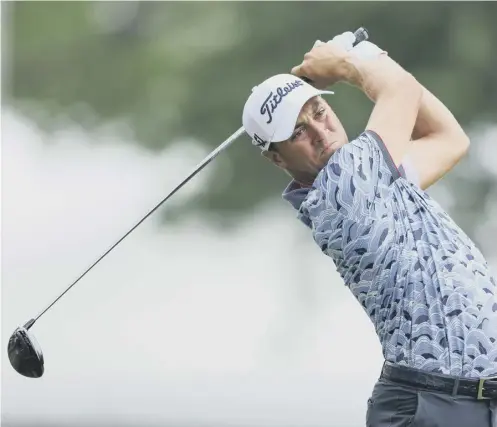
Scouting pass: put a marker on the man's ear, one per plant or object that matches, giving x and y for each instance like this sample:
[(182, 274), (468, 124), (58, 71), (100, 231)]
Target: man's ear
[(275, 158)]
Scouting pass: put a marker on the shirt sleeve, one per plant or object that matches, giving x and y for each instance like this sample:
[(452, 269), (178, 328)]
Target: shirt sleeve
[(357, 181)]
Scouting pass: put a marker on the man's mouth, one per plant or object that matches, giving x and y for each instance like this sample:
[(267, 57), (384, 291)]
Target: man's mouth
[(328, 146)]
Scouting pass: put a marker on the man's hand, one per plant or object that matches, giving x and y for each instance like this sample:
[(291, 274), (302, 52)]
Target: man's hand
[(317, 58), (323, 64), (363, 50)]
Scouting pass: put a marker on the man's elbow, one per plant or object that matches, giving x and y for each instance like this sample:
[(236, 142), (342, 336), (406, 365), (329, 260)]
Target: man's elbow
[(456, 146), (462, 142)]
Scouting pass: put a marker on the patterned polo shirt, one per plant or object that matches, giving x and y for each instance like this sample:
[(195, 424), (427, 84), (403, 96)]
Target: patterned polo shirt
[(423, 283)]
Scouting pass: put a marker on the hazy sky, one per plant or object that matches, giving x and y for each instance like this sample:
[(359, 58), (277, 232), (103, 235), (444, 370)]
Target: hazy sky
[(179, 323)]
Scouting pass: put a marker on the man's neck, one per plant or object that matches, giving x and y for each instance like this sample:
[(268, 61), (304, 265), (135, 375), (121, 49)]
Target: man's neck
[(303, 185), (303, 181)]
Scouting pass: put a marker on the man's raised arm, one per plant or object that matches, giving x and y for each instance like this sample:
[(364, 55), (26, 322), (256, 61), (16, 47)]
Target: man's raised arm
[(395, 92), (439, 141)]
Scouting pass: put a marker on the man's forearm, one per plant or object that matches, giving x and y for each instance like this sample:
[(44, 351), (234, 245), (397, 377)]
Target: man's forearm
[(439, 142), (434, 118), (374, 77), (397, 97)]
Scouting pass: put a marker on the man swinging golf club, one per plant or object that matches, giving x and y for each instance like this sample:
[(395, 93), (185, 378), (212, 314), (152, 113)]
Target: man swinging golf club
[(425, 286), (422, 281)]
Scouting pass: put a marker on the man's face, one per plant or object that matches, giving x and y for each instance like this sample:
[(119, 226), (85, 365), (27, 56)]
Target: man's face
[(318, 134)]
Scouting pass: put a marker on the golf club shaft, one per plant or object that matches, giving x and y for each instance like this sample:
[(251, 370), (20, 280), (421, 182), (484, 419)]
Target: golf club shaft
[(197, 169), (361, 34)]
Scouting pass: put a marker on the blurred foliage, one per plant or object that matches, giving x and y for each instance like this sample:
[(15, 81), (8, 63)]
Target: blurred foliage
[(185, 69)]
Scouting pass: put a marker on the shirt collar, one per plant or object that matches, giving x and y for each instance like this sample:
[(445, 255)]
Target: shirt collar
[(295, 193)]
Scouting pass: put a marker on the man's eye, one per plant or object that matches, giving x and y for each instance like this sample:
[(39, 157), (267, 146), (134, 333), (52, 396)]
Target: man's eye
[(299, 132), (320, 112)]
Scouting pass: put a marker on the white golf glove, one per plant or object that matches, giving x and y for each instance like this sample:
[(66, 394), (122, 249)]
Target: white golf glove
[(364, 50)]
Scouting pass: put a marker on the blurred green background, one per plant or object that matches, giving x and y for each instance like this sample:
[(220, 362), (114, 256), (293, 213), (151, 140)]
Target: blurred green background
[(184, 69)]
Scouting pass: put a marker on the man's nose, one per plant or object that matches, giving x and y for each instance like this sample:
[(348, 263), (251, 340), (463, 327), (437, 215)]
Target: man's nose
[(319, 133)]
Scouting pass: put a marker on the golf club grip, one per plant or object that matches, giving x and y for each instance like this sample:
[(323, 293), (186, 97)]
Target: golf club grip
[(360, 34)]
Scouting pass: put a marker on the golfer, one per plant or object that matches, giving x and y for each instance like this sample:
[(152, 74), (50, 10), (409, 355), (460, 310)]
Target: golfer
[(423, 283)]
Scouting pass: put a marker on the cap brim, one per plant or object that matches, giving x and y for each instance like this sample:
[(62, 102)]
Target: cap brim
[(292, 113)]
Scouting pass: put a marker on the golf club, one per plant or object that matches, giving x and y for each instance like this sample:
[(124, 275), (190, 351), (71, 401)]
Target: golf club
[(24, 352)]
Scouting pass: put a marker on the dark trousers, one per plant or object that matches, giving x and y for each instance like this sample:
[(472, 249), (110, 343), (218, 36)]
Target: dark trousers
[(394, 405)]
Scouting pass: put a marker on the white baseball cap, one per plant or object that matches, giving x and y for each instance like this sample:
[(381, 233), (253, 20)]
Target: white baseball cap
[(272, 109)]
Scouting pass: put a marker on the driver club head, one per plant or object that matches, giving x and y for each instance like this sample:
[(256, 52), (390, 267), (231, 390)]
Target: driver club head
[(25, 353)]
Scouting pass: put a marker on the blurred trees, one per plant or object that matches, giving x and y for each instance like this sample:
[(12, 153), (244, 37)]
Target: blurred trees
[(184, 69)]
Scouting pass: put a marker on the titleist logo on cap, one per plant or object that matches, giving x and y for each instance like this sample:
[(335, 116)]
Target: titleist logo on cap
[(272, 101)]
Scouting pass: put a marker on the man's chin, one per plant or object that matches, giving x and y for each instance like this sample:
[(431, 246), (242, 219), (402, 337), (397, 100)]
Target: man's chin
[(328, 152), (325, 158)]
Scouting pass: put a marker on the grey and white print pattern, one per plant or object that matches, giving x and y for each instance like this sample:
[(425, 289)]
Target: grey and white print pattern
[(424, 284)]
